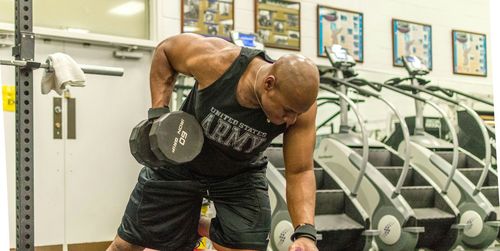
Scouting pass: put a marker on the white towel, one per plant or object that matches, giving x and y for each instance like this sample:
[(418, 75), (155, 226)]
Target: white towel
[(65, 72)]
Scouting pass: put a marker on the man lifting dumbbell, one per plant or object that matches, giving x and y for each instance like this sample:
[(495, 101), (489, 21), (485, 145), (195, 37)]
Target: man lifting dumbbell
[(242, 101)]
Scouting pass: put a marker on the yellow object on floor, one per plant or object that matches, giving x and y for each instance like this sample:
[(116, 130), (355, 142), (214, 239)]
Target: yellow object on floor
[(203, 244), (9, 98)]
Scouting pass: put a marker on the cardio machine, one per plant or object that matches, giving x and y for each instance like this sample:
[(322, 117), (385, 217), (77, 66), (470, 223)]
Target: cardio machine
[(472, 184), (403, 203), (469, 133)]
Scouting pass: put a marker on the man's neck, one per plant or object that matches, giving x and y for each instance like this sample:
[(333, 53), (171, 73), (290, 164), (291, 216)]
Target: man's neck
[(248, 87)]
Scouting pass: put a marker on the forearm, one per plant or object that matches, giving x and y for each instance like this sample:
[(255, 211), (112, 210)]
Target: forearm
[(301, 196), (162, 77)]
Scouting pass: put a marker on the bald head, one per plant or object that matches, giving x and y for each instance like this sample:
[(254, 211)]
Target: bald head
[(297, 78)]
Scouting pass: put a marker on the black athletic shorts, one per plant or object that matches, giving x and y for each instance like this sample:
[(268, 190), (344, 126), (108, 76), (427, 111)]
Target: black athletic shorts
[(164, 210)]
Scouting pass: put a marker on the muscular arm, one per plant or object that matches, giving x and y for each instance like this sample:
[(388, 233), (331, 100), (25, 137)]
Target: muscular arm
[(187, 54), (298, 149)]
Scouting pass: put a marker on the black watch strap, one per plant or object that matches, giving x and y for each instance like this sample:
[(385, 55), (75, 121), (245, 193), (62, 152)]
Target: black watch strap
[(305, 230), (157, 112)]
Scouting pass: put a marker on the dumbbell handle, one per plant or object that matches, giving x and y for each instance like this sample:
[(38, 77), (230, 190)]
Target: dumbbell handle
[(154, 113)]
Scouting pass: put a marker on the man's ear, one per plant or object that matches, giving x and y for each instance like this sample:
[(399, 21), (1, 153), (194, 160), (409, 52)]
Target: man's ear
[(270, 83)]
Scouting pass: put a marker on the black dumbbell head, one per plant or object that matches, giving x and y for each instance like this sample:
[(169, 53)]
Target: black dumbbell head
[(176, 137), (140, 146)]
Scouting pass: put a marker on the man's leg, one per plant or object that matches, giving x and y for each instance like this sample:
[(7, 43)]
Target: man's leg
[(162, 213), (204, 229), (120, 244), (243, 212)]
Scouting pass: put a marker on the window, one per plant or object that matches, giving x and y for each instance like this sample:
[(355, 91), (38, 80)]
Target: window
[(124, 18)]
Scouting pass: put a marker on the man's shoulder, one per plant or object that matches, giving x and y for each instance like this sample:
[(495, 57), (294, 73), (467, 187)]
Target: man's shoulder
[(212, 64)]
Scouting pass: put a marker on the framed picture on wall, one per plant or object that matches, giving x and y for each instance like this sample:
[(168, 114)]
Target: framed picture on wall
[(207, 17), (343, 27), (277, 22), (410, 38), (469, 53)]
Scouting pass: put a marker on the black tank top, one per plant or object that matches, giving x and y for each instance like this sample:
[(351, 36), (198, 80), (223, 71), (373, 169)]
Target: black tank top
[(235, 136)]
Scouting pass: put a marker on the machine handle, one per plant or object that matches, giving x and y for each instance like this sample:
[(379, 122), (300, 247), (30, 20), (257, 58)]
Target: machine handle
[(371, 232), (364, 135), (460, 226), (414, 230)]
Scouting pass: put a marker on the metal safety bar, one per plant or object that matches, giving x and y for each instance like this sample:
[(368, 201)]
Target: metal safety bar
[(471, 97), (487, 145), (406, 136), (459, 93), (89, 69), (404, 128), (364, 135), (454, 139)]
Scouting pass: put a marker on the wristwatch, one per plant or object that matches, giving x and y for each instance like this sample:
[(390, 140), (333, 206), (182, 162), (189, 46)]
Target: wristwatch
[(305, 230)]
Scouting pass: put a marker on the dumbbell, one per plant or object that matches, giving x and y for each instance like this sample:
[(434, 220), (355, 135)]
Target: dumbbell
[(166, 137)]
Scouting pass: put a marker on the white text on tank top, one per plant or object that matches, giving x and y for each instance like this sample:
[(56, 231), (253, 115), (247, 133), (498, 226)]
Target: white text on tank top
[(231, 132)]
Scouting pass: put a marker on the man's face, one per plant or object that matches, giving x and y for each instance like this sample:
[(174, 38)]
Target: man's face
[(280, 107)]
